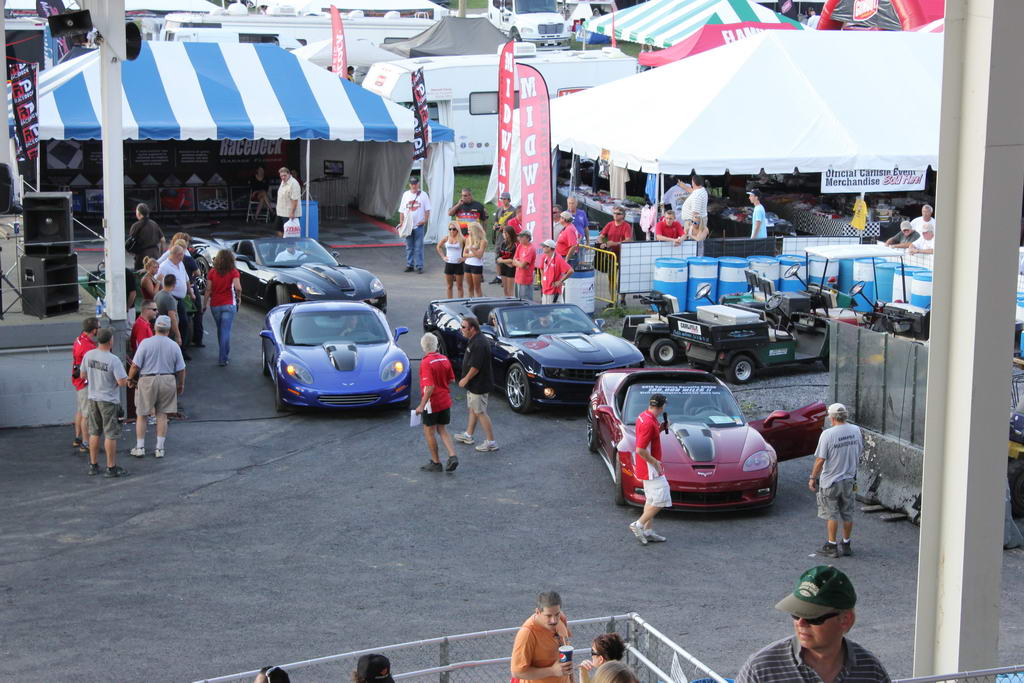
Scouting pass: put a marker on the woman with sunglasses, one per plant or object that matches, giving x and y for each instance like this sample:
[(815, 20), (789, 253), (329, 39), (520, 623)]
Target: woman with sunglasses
[(503, 258), (147, 280), (476, 245), (450, 250), (607, 647)]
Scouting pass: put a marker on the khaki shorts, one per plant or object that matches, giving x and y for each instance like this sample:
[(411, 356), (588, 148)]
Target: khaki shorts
[(156, 394), (477, 403), (82, 401), (103, 420), (836, 502), (657, 493)]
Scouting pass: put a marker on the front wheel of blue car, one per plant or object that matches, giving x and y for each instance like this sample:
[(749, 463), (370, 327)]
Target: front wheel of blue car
[(517, 389), (266, 364)]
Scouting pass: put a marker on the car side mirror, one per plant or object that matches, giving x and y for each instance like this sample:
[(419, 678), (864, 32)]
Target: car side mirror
[(489, 330), (776, 415), (336, 253), (266, 335), (399, 331), (600, 323)]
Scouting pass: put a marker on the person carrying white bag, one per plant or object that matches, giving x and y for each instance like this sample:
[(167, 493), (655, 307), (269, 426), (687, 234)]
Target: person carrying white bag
[(288, 210)]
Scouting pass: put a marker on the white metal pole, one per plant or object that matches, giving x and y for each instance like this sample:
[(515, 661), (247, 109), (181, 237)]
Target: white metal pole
[(981, 170), (5, 141), (305, 214)]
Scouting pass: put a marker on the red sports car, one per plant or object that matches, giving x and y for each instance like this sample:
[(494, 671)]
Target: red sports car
[(713, 458)]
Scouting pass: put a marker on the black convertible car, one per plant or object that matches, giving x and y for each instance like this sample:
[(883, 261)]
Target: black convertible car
[(276, 271), (542, 354)]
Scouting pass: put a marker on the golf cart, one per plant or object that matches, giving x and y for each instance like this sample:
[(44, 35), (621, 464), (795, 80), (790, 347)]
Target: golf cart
[(651, 333), (1015, 462)]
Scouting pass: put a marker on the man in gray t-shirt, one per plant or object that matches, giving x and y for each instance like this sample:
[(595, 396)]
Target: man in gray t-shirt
[(833, 477), (167, 305), (160, 368), (105, 374)]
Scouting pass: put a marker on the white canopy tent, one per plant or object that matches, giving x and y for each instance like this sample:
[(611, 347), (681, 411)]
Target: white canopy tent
[(778, 101)]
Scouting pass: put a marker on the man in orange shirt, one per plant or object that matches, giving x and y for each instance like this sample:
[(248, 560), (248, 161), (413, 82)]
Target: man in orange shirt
[(535, 653)]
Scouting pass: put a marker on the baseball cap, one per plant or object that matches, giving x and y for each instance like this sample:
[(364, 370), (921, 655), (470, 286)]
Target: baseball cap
[(163, 322), (375, 668), (526, 234), (565, 216), (906, 225), (929, 227), (838, 409), (414, 180), (755, 192), (550, 244), (657, 400), (819, 591), (506, 195)]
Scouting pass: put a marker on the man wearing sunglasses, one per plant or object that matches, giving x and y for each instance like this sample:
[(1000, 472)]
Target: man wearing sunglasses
[(822, 608)]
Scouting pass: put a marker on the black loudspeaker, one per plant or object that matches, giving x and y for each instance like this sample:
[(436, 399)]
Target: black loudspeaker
[(49, 285), (132, 41), (46, 219), (7, 204), (70, 24)]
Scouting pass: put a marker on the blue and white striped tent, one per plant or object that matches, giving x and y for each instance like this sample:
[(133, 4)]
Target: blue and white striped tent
[(213, 91)]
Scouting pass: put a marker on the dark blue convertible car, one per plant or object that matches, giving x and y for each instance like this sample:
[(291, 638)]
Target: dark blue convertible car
[(543, 354)]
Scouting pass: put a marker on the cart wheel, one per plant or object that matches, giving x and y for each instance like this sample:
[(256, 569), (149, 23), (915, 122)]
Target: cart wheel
[(741, 369), (664, 352), (1015, 476)]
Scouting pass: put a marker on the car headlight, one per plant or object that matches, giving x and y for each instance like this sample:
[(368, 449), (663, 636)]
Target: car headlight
[(299, 373), (310, 289), (391, 370), (527, 31), (758, 461), (376, 286)]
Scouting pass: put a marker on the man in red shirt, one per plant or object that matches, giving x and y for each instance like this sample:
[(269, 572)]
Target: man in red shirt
[(669, 229), (568, 241), (616, 232), (436, 403), (524, 260), (84, 343), (554, 271), (647, 468), (143, 327)]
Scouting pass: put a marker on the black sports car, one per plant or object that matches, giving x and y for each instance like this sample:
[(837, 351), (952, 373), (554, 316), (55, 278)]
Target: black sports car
[(275, 271), (542, 354)]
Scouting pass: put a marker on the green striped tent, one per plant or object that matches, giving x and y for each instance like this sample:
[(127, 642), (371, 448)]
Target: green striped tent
[(663, 23)]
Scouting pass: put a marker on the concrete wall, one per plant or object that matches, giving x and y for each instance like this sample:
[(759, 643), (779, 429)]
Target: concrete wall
[(890, 474)]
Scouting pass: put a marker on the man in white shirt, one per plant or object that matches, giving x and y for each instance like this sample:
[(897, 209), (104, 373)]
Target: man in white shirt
[(174, 265), (925, 244), (415, 212), (695, 210), (289, 254), (288, 195), (924, 219), (812, 19)]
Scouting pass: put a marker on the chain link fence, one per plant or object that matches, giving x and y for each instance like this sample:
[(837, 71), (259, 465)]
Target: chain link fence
[(1009, 674)]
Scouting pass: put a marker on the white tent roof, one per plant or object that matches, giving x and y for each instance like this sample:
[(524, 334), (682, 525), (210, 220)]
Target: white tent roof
[(360, 52), (779, 100)]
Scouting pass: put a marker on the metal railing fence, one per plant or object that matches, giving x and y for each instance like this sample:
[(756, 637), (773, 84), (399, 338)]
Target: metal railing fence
[(1007, 674), (468, 657), (606, 272)]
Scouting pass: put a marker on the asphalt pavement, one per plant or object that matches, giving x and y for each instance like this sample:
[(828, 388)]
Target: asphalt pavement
[(264, 538)]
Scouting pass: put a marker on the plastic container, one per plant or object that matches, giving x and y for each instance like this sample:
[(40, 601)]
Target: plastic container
[(884, 272), (846, 278), (579, 290), (767, 267), (816, 265), (732, 278), (864, 270), (670, 277), (921, 289), (792, 284), (702, 269), (900, 276), (309, 221)]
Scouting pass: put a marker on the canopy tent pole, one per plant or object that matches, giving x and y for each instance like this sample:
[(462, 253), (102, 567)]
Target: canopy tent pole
[(305, 214)]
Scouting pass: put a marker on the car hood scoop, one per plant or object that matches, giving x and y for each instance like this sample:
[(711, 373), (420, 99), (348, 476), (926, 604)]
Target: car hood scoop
[(580, 346), (696, 439), (343, 355), (330, 274)]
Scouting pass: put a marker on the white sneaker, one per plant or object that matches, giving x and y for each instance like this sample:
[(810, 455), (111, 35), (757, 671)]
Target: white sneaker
[(487, 446), (138, 452), (638, 531), (463, 437), (158, 453), (654, 538)]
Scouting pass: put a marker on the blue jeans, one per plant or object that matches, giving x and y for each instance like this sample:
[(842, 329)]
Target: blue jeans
[(225, 316), (414, 247)]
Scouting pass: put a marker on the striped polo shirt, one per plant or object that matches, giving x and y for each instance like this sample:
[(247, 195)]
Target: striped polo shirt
[(780, 662)]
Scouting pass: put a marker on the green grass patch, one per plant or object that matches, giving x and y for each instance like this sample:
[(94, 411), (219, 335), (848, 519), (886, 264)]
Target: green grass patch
[(474, 180), (613, 316)]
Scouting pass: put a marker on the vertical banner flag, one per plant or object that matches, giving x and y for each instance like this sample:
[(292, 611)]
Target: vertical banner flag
[(506, 104), (535, 152), (339, 57), (614, 44), (26, 117), (421, 131), (46, 8)]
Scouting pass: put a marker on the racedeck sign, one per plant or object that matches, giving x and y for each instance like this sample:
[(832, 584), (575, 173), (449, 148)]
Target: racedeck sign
[(872, 180)]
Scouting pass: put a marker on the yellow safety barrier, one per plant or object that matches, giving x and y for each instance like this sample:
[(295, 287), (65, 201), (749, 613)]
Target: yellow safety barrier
[(606, 272)]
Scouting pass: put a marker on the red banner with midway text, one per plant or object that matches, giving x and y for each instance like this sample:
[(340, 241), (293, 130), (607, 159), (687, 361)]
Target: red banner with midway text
[(506, 104), (339, 57), (535, 152)]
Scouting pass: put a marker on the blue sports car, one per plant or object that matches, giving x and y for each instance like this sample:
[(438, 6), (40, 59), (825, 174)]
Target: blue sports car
[(334, 354), (542, 354)]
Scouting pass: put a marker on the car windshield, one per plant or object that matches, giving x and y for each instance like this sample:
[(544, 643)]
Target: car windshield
[(534, 6), (531, 321), (313, 328), (293, 251), (707, 404)]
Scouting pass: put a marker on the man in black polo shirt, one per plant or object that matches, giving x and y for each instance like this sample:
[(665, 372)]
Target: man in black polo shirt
[(821, 606), (477, 380)]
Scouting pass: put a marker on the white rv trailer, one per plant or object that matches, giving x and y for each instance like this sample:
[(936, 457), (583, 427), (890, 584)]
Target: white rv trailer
[(462, 92)]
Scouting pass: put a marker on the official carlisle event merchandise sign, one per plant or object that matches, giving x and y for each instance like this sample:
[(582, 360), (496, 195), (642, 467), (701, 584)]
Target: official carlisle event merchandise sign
[(535, 152), (872, 180), (421, 131), (26, 115), (506, 103)]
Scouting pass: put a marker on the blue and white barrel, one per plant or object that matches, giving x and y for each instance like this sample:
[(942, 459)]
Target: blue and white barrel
[(670, 277), (732, 277), (846, 278), (884, 272), (902, 279), (792, 284), (864, 270), (921, 289), (703, 269), (767, 267), (818, 265)]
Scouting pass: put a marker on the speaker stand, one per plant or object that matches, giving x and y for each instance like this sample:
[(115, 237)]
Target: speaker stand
[(4, 279)]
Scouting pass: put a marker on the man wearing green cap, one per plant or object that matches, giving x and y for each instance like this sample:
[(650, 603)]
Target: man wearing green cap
[(821, 606)]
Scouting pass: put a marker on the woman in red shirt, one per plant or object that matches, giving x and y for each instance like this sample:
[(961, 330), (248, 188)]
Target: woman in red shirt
[(223, 294)]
